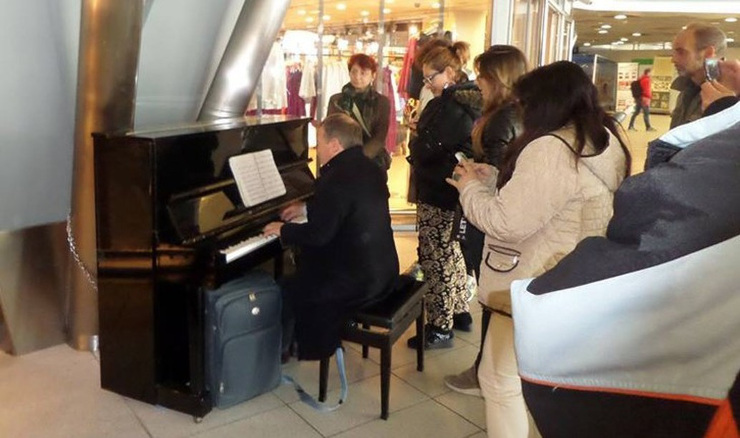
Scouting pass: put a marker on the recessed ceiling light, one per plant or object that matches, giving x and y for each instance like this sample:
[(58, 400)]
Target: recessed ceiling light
[(624, 39), (341, 6), (587, 44), (683, 27), (606, 26), (327, 17), (301, 12), (636, 34), (364, 13), (602, 31), (620, 17), (730, 19), (386, 11), (730, 40), (436, 5)]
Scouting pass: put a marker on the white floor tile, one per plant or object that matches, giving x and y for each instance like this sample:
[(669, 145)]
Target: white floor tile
[(161, 422), (467, 406), (56, 393), (278, 423), (428, 419), (430, 381), (362, 406)]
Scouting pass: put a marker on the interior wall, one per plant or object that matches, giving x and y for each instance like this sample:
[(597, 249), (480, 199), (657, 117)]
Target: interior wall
[(468, 26), (39, 41)]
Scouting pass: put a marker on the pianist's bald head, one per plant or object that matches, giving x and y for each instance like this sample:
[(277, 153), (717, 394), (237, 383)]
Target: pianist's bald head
[(344, 128)]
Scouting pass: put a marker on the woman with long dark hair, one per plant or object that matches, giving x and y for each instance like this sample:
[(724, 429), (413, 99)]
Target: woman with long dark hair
[(555, 186)]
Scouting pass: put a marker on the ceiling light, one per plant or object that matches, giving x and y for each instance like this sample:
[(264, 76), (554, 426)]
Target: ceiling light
[(301, 12), (730, 19), (620, 17), (676, 6), (309, 19), (327, 17), (386, 11), (606, 26), (636, 34), (683, 27), (624, 39), (364, 13), (436, 5), (341, 6), (730, 40), (587, 44), (602, 31)]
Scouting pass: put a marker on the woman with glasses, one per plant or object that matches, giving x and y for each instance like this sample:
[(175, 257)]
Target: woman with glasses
[(554, 187), (497, 69), (369, 108), (443, 130)]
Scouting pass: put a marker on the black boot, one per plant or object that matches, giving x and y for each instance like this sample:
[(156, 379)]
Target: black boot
[(463, 322), (436, 338)]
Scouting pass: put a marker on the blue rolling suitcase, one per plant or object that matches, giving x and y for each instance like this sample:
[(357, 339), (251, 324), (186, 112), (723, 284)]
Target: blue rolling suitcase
[(243, 334)]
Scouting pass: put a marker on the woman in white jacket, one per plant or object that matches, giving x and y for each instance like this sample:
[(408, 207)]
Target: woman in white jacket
[(554, 188)]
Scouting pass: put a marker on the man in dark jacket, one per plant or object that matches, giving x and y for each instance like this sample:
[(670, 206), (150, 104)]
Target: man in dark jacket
[(348, 256)]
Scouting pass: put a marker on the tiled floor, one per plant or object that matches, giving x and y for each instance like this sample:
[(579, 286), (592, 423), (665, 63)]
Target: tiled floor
[(56, 392)]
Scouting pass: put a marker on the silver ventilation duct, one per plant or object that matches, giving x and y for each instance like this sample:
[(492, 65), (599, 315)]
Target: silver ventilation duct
[(110, 36), (241, 66)]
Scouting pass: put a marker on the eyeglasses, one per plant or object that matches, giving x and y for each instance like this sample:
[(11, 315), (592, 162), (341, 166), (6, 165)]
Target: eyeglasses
[(430, 78)]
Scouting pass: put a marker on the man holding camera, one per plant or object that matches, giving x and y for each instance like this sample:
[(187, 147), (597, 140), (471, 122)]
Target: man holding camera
[(691, 48)]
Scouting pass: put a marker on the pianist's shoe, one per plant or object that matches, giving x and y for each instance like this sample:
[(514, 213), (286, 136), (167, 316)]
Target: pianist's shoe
[(436, 338)]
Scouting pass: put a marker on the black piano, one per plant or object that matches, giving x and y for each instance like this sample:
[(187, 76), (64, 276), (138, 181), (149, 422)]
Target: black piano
[(170, 223)]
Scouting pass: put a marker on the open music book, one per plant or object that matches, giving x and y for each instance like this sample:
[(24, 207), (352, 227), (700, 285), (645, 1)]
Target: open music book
[(257, 177)]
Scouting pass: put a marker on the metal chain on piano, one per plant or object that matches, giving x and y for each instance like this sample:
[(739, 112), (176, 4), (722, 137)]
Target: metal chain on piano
[(76, 255)]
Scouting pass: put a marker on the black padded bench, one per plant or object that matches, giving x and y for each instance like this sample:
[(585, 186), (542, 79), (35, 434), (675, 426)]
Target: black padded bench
[(380, 326)]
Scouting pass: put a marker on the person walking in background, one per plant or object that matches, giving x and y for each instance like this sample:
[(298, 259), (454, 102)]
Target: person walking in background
[(555, 187), (369, 108), (691, 47), (642, 102), (444, 128), (498, 68)]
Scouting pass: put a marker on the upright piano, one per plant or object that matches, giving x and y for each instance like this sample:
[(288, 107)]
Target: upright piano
[(170, 225)]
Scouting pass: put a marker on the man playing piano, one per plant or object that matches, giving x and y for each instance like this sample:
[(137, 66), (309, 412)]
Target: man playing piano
[(348, 257)]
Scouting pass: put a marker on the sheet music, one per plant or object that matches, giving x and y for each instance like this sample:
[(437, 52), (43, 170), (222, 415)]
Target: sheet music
[(257, 177)]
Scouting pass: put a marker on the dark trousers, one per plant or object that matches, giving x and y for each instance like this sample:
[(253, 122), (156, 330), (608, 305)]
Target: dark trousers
[(485, 320), (645, 113)]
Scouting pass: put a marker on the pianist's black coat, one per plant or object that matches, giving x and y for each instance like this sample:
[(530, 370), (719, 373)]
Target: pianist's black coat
[(348, 257)]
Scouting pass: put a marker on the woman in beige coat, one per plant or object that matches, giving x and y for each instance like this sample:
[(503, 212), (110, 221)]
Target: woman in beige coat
[(554, 188)]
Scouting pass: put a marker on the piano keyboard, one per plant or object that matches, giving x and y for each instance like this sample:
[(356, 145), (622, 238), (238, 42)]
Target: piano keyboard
[(246, 246), (250, 244)]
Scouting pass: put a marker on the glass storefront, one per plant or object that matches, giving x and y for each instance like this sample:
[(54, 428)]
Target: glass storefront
[(319, 36)]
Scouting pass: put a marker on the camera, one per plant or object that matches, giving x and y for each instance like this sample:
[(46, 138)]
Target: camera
[(711, 68)]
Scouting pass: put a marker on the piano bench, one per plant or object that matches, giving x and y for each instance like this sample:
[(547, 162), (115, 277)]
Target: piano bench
[(380, 326)]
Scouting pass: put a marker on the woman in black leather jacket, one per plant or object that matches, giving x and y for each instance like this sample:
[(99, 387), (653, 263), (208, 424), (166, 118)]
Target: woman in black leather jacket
[(498, 68), (443, 129)]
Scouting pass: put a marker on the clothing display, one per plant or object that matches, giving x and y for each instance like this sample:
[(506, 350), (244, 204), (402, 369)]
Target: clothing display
[(273, 82), (650, 347)]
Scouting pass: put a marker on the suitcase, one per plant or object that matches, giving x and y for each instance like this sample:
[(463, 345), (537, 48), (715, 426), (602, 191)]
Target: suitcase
[(243, 334)]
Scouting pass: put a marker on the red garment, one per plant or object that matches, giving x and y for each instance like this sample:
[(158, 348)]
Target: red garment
[(389, 92), (645, 85), (408, 61)]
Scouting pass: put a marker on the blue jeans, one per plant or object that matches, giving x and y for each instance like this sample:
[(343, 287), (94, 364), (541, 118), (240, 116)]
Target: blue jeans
[(645, 113)]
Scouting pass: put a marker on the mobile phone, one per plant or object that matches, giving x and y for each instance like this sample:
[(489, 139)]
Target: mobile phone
[(461, 157), (711, 68)]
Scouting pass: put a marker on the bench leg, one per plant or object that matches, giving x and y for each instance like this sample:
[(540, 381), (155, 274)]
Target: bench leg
[(385, 379), (323, 378), (365, 348), (420, 345)]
